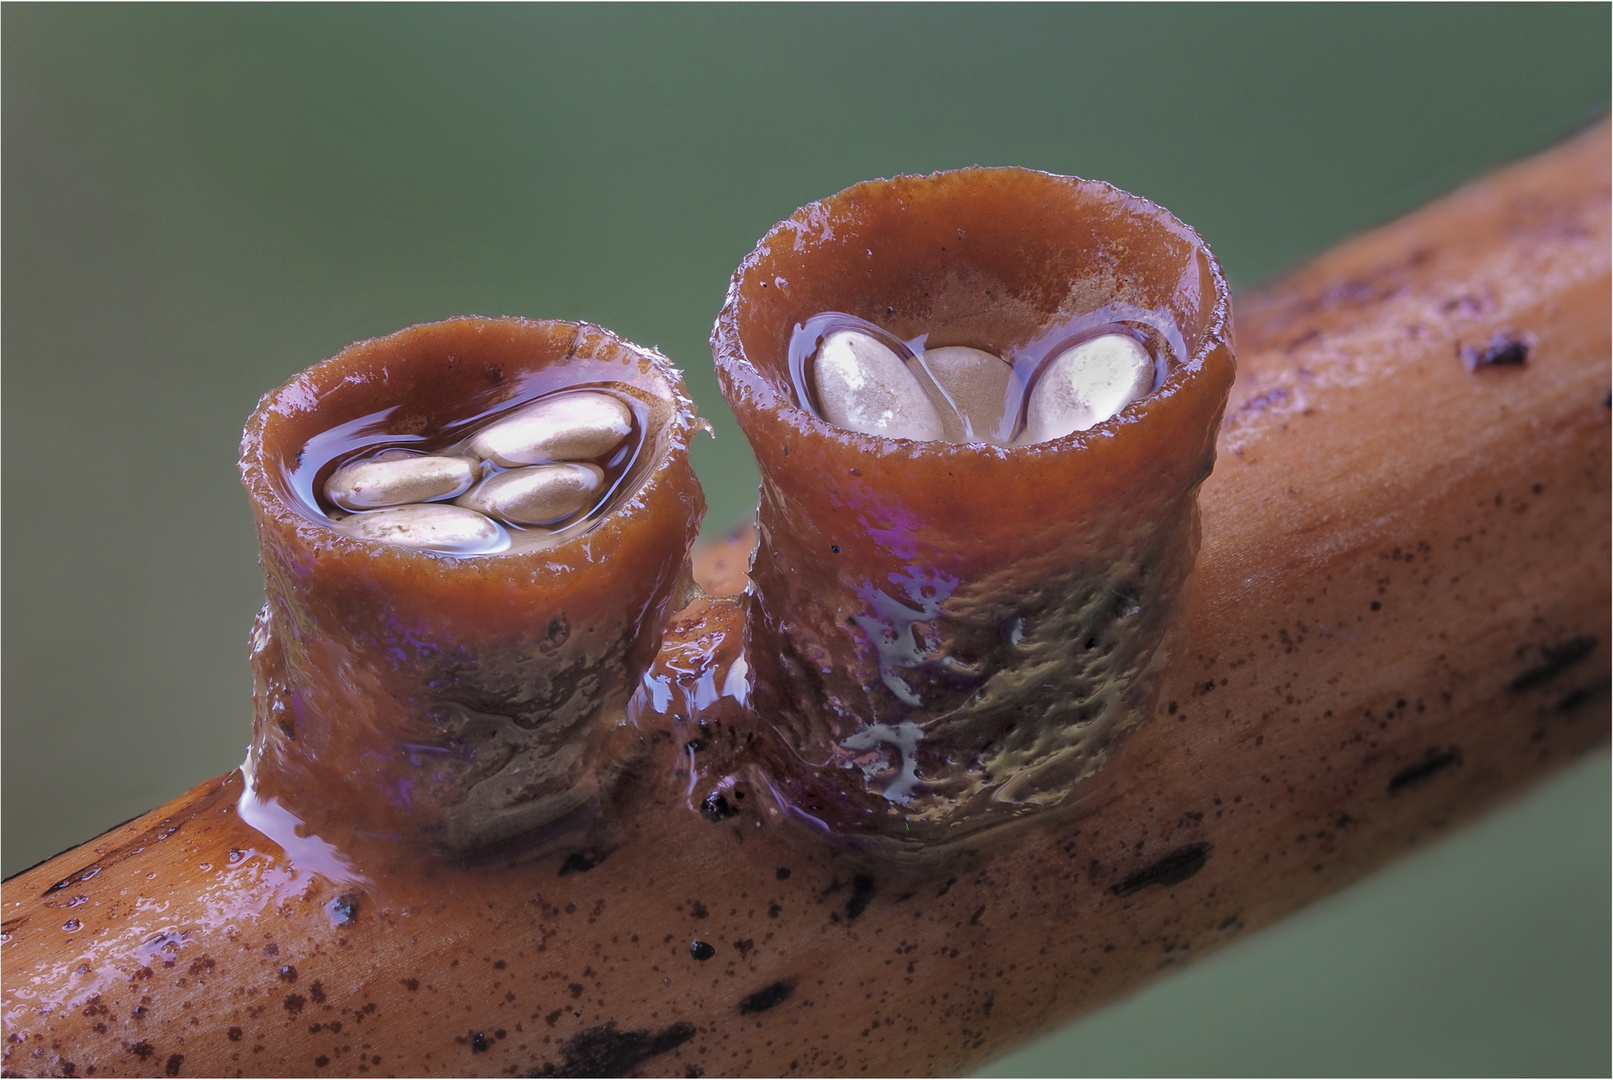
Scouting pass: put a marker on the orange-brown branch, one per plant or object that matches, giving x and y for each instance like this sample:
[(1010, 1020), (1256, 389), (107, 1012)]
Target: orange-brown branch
[(1399, 617)]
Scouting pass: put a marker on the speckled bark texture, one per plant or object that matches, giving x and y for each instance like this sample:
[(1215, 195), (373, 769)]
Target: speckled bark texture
[(1399, 617)]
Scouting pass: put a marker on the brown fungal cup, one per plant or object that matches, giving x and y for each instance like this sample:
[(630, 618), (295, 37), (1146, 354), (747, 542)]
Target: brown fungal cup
[(458, 701), (947, 635)]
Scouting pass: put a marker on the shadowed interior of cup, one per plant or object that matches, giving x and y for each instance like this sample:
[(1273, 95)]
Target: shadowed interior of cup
[(438, 381), (990, 258)]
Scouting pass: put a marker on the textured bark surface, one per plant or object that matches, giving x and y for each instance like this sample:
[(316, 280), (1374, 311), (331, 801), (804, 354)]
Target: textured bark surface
[(1400, 617)]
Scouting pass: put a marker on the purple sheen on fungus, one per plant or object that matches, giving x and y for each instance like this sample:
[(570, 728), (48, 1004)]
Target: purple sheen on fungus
[(941, 635)]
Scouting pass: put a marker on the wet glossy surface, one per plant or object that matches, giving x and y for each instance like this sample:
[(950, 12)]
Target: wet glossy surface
[(453, 702), (538, 494), (1289, 758), (444, 530), (198, 245), (493, 431), (578, 425), (952, 634), (398, 477), (979, 395)]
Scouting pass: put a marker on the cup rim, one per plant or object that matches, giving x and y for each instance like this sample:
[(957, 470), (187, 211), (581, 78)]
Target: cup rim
[(753, 393), (302, 393)]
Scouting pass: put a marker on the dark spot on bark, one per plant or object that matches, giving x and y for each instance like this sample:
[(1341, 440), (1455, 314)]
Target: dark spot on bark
[(1376, 606), (411, 985), (1558, 658), (478, 1043), (605, 1051), (71, 879), (321, 1061), (344, 909), (283, 712), (171, 1066), (1575, 698), (294, 1003), (234, 1034), (576, 990), (1436, 762), (862, 891), (316, 991), (744, 946), (552, 1017), (702, 950), (974, 920), (580, 862), (698, 910), (142, 1050), (1172, 869), (555, 634), (782, 873), (1503, 349), (1350, 292), (1259, 403), (767, 997), (716, 807)]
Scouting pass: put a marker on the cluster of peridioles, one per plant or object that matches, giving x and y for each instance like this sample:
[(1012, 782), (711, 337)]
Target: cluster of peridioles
[(532, 468), (864, 380)]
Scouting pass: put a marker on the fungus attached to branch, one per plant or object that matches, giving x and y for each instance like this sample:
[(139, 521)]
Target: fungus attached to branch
[(945, 635), (1397, 618)]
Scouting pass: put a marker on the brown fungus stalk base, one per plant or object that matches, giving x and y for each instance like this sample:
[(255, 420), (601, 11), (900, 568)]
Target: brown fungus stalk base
[(448, 703), (1398, 617), (991, 619)]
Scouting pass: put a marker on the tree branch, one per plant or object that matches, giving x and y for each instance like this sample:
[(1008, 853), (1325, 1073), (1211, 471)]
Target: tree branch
[(1399, 617)]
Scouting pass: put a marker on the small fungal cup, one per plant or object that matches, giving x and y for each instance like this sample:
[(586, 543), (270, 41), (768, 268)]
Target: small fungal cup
[(944, 635), (447, 692)]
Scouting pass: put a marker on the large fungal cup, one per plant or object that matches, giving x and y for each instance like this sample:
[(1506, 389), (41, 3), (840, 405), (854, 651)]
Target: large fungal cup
[(947, 634), (455, 693)]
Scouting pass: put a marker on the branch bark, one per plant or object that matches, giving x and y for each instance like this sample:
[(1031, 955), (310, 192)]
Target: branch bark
[(1399, 617)]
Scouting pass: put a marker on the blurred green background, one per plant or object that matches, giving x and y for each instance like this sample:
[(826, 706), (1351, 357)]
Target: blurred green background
[(200, 201)]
